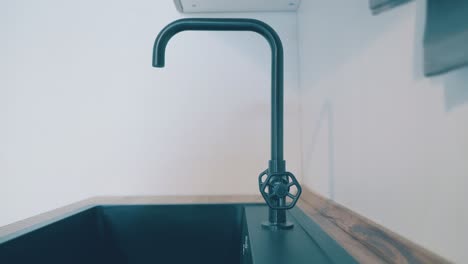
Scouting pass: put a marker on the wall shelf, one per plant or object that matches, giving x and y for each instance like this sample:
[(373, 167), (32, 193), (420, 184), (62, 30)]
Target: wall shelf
[(209, 6)]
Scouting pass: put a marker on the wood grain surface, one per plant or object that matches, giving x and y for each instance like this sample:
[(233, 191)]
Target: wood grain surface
[(365, 240)]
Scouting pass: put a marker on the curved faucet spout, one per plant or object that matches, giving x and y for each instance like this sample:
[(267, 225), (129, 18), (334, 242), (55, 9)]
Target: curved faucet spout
[(277, 164), (276, 187)]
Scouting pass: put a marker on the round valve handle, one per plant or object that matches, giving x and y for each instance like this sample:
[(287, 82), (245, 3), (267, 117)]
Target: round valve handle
[(276, 186)]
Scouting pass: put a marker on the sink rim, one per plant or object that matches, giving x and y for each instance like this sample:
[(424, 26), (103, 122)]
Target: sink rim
[(15, 233)]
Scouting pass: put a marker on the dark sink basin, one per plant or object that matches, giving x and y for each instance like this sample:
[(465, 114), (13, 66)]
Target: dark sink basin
[(134, 234), (216, 233)]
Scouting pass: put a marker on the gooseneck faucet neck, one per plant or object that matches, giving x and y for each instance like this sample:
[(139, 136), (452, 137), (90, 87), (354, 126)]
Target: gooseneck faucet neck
[(230, 24), (275, 182)]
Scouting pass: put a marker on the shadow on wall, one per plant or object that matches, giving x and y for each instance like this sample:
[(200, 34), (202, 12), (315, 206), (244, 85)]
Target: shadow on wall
[(455, 88), (326, 115)]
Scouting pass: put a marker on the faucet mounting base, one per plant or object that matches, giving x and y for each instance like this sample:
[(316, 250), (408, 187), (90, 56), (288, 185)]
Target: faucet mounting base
[(277, 226)]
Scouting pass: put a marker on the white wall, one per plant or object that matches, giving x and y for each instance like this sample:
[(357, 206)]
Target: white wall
[(377, 136), (83, 113)]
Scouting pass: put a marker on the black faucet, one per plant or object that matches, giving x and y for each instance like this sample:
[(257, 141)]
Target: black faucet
[(276, 184)]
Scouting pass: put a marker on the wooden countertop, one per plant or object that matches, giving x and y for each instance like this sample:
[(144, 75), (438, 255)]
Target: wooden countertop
[(366, 241)]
